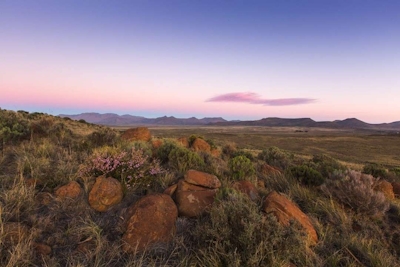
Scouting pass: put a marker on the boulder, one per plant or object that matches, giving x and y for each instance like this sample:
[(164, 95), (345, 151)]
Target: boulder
[(183, 141), (248, 188), (137, 134), (171, 190), (156, 143), (202, 179), (285, 211), (386, 188), (152, 221), (193, 200), (216, 152), (269, 170), (41, 248), (396, 189), (106, 192), (200, 145), (70, 190)]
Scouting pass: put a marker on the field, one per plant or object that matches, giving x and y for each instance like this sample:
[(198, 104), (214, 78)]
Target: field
[(354, 147)]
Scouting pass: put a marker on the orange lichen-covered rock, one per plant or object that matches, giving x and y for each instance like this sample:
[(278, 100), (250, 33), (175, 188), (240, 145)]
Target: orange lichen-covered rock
[(285, 211), (106, 192), (137, 134), (200, 145), (202, 179), (248, 188), (152, 220), (386, 188), (70, 190)]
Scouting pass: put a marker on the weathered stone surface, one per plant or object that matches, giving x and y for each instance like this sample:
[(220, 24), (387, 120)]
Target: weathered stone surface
[(106, 192), (14, 232), (396, 189), (269, 170), (137, 134), (43, 198), (156, 143), (386, 188), (247, 188), (201, 145), (285, 210), (183, 141), (202, 179), (42, 248), (216, 152), (70, 190), (193, 200), (171, 190), (152, 221)]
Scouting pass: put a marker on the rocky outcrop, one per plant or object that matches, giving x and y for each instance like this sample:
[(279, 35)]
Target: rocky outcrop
[(200, 145), (195, 193), (70, 190), (106, 192), (247, 188), (152, 220), (137, 134), (183, 141), (386, 188), (285, 211)]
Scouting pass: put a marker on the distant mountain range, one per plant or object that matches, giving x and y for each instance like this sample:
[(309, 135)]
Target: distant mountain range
[(111, 119)]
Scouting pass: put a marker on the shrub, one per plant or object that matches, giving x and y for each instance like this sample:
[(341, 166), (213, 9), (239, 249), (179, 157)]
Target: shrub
[(236, 233), (276, 157), (241, 168), (163, 151), (134, 169), (375, 170), (326, 165), (229, 149), (356, 190), (244, 153), (103, 136), (307, 175), (182, 159)]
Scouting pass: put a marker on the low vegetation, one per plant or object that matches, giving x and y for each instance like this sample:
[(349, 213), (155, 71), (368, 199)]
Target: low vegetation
[(50, 165)]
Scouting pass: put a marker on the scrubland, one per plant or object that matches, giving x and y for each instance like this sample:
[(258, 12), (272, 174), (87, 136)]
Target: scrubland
[(335, 178)]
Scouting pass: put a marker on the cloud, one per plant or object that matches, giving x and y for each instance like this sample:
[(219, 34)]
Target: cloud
[(253, 98)]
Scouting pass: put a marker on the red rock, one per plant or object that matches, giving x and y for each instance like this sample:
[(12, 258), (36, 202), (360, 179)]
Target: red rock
[(156, 143), (215, 152), (152, 221), (202, 179), (396, 189), (42, 248), (137, 134), (70, 190), (193, 200), (269, 170), (171, 190), (285, 210), (201, 145), (184, 142), (386, 188), (106, 192), (247, 187)]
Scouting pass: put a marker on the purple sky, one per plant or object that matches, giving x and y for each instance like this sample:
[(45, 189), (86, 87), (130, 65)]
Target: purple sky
[(325, 59)]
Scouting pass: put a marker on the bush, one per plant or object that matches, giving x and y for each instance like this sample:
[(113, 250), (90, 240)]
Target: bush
[(102, 137), (133, 169), (182, 160), (276, 157), (236, 233), (375, 170), (163, 151), (326, 165), (307, 175), (244, 153), (356, 190), (241, 168)]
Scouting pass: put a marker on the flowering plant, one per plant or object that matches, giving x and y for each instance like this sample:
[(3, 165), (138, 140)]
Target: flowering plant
[(132, 169)]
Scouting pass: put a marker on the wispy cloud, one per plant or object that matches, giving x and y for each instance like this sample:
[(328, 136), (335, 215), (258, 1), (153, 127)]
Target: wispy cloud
[(253, 98)]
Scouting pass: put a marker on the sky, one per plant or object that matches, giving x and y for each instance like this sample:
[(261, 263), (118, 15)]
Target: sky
[(236, 59)]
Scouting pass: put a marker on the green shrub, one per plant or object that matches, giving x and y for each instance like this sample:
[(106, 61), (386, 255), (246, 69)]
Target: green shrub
[(163, 151), (307, 175), (244, 153), (182, 159), (326, 165), (276, 157), (356, 190), (241, 168), (236, 233), (103, 136), (375, 170)]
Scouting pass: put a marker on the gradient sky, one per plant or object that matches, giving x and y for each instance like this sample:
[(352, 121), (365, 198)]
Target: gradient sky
[(323, 59)]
